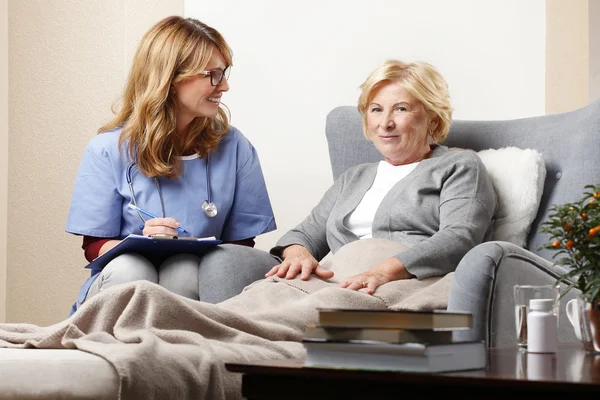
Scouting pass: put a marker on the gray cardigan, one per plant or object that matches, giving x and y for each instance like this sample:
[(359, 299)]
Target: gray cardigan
[(441, 210)]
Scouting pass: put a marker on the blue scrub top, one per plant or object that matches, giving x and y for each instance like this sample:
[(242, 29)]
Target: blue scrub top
[(101, 194)]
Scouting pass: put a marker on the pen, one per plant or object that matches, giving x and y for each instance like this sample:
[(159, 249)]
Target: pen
[(147, 214)]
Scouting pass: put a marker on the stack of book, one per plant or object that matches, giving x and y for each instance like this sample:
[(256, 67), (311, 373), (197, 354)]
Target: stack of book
[(418, 341)]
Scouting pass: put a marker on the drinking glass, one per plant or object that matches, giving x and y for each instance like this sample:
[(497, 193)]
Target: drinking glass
[(522, 295)]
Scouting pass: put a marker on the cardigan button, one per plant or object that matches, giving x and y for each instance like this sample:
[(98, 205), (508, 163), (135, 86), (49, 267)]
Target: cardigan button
[(558, 175)]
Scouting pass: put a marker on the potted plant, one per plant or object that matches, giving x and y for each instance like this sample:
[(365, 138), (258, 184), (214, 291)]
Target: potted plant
[(574, 230)]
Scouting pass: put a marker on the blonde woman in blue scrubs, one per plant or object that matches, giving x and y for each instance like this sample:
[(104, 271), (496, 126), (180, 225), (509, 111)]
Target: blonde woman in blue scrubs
[(171, 151)]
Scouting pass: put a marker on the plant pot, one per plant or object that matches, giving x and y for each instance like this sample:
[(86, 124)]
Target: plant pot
[(589, 318)]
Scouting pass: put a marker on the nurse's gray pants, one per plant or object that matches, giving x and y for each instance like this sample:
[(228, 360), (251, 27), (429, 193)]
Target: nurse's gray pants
[(221, 273)]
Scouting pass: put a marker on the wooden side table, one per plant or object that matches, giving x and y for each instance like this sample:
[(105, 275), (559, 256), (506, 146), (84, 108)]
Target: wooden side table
[(510, 372)]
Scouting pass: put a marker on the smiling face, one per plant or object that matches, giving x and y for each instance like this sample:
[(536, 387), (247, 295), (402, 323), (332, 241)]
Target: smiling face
[(196, 97), (398, 125)]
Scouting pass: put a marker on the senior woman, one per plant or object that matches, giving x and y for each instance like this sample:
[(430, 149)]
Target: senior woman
[(438, 202)]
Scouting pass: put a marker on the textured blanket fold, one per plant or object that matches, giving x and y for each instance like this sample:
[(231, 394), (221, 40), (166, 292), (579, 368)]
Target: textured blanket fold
[(164, 346)]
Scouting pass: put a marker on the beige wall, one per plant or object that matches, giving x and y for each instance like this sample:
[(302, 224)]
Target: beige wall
[(3, 150), (68, 60), (572, 54), (594, 24)]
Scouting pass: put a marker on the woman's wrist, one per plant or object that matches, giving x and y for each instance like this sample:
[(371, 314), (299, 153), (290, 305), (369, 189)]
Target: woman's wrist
[(291, 249), (396, 270)]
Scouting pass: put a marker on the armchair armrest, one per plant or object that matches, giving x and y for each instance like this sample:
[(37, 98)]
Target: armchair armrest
[(483, 285)]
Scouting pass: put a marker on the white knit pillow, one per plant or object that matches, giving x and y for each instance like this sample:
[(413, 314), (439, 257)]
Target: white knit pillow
[(518, 177)]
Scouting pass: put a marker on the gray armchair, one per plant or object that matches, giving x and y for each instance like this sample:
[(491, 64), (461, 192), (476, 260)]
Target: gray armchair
[(484, 279)]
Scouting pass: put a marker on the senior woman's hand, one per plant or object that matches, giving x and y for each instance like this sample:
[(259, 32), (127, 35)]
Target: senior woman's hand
[(297, 259), (389, 270)]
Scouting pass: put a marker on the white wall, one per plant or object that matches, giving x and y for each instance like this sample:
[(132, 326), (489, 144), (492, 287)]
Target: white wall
[(293, 62)]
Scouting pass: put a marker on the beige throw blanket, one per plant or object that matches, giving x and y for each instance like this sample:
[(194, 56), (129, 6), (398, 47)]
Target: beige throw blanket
[(164, 346)]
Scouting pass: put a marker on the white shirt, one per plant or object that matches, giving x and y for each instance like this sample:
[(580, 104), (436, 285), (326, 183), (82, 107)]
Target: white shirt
[(360, 221)]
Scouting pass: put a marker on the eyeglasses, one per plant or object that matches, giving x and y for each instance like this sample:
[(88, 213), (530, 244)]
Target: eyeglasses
[(217, 74)]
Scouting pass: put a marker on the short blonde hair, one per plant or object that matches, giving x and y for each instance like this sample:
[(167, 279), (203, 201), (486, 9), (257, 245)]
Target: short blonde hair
[(418, 78), (172, 50)]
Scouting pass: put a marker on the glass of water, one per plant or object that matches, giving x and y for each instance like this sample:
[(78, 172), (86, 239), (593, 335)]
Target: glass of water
[(522, 295)]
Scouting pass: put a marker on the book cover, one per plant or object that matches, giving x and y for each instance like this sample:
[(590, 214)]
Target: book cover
[(414, 357), (384, 318), (389, 335)]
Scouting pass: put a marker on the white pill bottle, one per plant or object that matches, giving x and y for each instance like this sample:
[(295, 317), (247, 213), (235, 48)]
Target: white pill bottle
[(542, 334)]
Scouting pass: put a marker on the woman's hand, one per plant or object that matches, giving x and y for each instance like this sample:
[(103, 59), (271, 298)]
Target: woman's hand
[(389, 270), (161, 226), (297, 259)]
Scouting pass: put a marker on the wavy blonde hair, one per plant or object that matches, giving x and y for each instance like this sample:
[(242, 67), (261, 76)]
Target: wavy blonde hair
[(422, 81), (171, 51)]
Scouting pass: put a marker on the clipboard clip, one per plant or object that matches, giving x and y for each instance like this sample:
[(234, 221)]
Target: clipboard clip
[(163, 236)]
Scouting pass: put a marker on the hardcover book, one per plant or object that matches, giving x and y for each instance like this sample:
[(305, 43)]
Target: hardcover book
[(384, 318), (390, 335), (415, 357)]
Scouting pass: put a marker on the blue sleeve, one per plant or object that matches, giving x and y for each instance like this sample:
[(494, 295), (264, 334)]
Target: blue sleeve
[(95, 204), (251, 213)]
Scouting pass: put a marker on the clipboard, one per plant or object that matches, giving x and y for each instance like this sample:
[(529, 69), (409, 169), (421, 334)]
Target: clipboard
[(153, 246)]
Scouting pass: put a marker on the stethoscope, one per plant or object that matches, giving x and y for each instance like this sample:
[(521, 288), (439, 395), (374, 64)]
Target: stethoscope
[(209, 208)]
